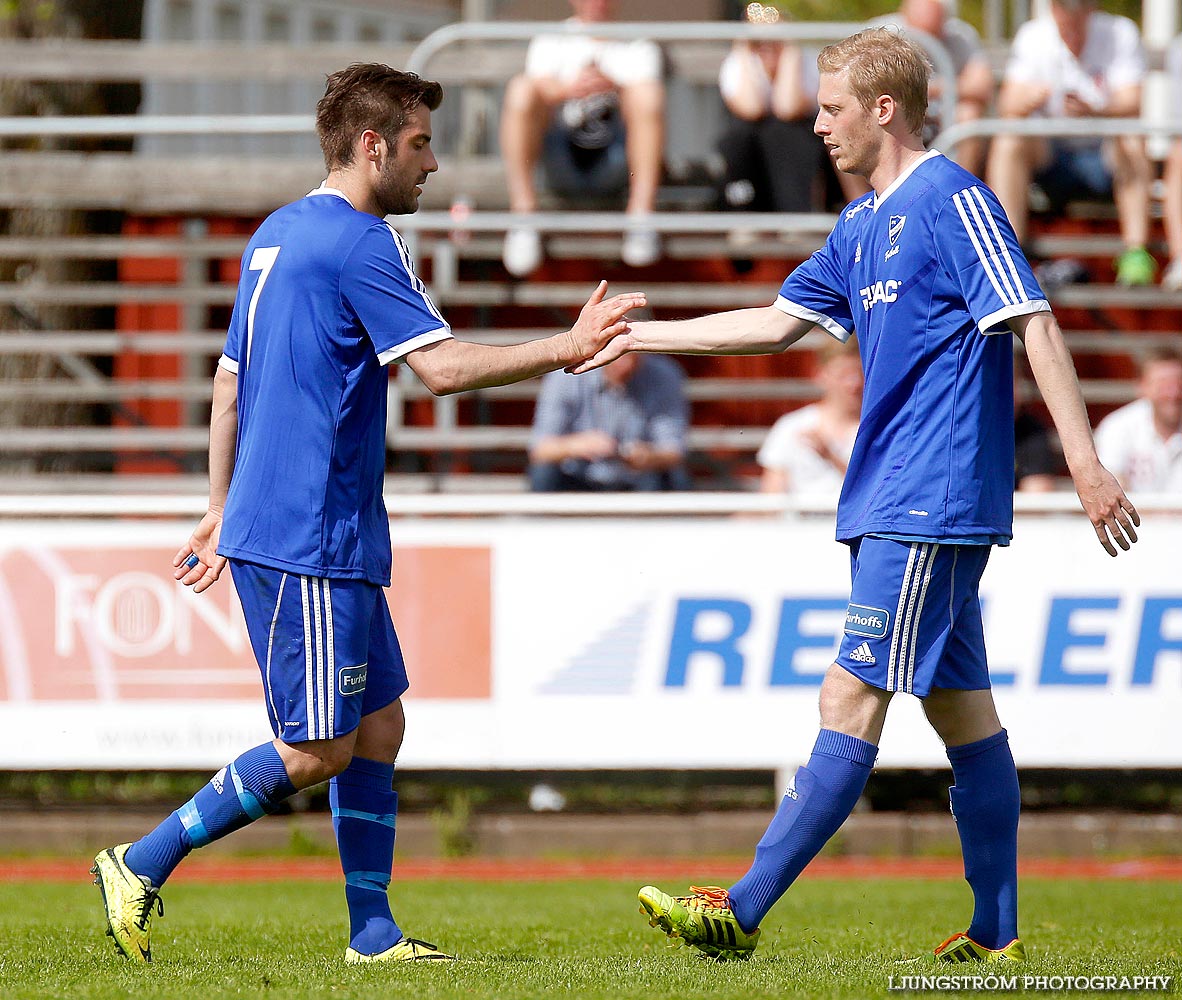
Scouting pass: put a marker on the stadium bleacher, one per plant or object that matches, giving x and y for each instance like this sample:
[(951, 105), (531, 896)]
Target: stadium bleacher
[(133, 375)]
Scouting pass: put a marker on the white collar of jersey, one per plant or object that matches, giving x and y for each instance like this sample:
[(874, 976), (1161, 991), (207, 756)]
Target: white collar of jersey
[(325, 189), (898, 181)]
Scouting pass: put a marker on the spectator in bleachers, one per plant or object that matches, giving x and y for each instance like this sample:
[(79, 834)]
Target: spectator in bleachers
[(807, 450), (974, 75), (1142, 442), (774, 162), (1077, 62), (1172, 203), (621, 427), (1038, 460), (592, 111)]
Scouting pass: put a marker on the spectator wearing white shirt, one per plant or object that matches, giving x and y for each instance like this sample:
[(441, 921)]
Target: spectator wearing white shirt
[(807, 451), (974, 75), (1172, 203), (592, 111), (1142, 442), (1077, 62), (773, 161)]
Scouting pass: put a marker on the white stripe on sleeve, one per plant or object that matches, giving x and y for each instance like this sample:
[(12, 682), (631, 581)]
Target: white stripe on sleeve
[(970, 228)]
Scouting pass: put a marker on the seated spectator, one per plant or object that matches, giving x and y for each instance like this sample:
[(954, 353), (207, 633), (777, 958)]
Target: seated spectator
[(593, 111), (974, 76), (807, 450), (1077, 62), (1172, 203), (1038, 462), (774, 162), (1141, 443), (620, 427)]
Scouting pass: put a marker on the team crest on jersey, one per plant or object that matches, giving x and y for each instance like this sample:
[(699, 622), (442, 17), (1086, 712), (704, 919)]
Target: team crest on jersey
[(895, 227)]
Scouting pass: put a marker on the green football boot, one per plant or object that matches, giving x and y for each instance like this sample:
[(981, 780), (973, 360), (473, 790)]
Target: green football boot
[(962, 948), (128, 902), (406, 950), (702, 919)]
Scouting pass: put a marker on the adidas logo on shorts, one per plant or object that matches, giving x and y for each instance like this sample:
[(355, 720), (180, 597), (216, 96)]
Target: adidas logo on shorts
[(862, 654)]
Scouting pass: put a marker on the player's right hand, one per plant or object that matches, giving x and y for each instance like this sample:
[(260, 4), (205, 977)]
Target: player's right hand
[(203, 544), (600, 320)]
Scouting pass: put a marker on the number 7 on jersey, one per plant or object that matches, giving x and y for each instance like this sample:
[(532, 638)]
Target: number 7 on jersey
[(263, 259)]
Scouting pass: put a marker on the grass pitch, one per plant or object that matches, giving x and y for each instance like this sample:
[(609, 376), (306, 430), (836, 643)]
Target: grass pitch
[(561, 940)]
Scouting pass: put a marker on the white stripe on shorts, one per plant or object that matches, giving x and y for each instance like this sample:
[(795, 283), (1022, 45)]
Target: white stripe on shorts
[(270, 646), (331, 674), (923, 593), (309, 689), (901, 663), (321, 713)]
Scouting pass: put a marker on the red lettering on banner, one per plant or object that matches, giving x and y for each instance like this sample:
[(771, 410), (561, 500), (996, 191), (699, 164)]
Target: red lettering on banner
[(113, 625)]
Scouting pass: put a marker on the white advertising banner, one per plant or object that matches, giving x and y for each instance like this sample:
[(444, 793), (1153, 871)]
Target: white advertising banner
[(585, 643)]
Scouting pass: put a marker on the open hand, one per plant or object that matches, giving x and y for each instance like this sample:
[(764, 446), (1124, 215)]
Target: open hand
[(1111, 512), (601, 320)]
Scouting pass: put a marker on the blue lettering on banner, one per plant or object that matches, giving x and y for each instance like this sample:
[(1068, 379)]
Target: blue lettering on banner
[(1152, 641), (686, 643), (790, 639), (711, 631), (1061, 638)]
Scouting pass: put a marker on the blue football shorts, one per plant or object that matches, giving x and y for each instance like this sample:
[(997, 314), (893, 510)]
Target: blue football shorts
[(326, 649), (914, 618)]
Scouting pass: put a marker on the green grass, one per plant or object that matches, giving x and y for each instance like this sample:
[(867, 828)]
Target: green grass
[(559, 940)]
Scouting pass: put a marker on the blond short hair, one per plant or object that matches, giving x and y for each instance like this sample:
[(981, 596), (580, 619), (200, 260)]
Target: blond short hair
[(882, 61)]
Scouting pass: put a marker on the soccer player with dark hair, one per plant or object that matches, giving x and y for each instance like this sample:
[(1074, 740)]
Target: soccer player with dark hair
[(928, 271), (328, 297)]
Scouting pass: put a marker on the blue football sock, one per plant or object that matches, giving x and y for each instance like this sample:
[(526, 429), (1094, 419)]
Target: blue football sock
[(823, 793), (986, 802), (364, 807), (238, 794)]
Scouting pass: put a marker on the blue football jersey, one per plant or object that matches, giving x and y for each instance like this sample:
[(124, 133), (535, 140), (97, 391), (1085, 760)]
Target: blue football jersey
[(928, 274), (328, 296)]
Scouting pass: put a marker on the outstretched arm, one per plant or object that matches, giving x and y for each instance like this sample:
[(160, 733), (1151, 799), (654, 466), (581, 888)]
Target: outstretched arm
[(457, 365), (1111, 512), (765, 330)]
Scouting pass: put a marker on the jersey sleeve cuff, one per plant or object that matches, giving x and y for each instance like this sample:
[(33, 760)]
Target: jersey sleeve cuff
[(396, 354), (229, 364), (995, 321), (830, 325)]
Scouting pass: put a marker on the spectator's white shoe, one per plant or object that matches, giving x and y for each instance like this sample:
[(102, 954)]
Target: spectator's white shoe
[(523, 251), (641, 247), (1172, 279)]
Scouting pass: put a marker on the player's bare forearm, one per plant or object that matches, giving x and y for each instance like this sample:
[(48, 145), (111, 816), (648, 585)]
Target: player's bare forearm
[(223, 436), (457, 366), (1109, 510), (196, 563), (765, 330)]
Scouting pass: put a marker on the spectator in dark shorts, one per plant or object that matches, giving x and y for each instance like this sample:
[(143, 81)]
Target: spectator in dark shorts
[(773, 161), (974, 75), (593, 111), (1077, 62), (622, 427), (1038, 463), (1172, 203)]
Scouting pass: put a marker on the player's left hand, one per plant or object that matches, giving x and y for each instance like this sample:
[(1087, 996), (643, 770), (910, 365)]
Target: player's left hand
[(613, 349), (196, 563), (1111, 512), (599, 321)]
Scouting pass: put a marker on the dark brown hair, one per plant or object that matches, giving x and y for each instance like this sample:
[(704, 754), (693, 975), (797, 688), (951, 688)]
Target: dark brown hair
[(368, 96)]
